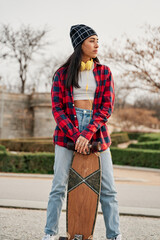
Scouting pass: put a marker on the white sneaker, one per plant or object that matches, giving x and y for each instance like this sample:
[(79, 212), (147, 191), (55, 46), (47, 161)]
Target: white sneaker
[(119, 237), (48, 237)]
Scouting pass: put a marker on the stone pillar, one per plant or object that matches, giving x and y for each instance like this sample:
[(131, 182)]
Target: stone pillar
[(43, 121), (15, 115)]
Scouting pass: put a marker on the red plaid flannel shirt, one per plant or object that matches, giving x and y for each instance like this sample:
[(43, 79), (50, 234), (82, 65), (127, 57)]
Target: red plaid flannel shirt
[(65, 114)]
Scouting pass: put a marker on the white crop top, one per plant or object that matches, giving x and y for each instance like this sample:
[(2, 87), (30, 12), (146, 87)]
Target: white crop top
[(81, 93)]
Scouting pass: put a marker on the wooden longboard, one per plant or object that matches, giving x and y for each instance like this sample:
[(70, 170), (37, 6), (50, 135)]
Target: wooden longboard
[(83, 195)]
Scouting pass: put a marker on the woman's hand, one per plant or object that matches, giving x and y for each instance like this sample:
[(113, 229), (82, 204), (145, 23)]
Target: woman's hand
[(82, 145)]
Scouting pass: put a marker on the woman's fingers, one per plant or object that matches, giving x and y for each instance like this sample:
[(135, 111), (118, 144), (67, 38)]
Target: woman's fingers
[(86, 149), (82, 145)]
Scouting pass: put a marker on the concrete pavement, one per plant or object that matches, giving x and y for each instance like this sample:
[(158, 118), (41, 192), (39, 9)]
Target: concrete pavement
[(18, 224), (138, 191)]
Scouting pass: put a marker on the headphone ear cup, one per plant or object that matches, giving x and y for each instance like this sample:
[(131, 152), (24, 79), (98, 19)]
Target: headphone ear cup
[(83, 65), (88, 65)]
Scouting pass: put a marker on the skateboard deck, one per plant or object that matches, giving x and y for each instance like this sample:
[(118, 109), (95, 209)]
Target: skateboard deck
[(83, 195)]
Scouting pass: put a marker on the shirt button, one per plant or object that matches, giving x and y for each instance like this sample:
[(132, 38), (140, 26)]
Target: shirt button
[(85, 111), (75, 116), (76, 126), (73, 104)]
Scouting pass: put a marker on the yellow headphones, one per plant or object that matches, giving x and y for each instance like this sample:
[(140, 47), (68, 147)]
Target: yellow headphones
[(87, 65)]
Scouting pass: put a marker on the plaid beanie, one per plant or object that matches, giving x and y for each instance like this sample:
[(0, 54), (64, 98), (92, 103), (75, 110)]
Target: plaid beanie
[(79, 33)]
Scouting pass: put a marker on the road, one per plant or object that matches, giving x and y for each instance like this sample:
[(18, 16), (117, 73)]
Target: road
[(138, 190)]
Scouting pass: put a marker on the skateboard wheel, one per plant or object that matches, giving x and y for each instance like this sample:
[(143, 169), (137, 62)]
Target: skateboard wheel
[(96, 146), (71, 146)]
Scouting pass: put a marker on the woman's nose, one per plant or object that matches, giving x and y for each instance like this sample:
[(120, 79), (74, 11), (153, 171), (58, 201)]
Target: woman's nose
[(96, 45)]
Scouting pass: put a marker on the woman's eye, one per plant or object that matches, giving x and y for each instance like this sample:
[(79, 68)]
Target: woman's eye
[(93, 41)]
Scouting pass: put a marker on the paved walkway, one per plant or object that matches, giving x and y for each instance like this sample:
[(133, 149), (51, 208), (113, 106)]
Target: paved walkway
[(138, 191), (22, 224)]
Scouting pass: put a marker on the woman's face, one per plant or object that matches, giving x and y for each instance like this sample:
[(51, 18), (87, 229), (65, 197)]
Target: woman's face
[(90, 47)]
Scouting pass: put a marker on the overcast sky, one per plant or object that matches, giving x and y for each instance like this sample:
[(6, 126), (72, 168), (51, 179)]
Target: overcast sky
[(109, 18)]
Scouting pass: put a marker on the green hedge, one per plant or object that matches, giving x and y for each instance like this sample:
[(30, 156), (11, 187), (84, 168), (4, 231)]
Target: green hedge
[(27, 163), (149, 137), (114, 142), (29, 145), (131, 135), (119, 137), (43, 162), (134, 135), (2, 148), (46, 144), (146, 145), (136, 157)]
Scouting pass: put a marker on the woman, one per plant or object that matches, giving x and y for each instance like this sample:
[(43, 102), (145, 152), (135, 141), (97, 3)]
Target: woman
[(82, 101)]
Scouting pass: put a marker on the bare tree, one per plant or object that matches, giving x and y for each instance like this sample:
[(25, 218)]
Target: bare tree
[(2, 55), (137, 60), (44, 73), (145, 102), (21, 45)]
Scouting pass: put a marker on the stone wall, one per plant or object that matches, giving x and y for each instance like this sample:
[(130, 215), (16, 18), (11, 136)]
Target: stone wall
[(24, 115), (43, 121)]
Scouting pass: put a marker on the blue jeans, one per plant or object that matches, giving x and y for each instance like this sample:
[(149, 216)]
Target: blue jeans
[(63, 158)]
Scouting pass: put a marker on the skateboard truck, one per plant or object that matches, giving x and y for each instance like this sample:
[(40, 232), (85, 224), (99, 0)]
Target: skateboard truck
[(78, 237)]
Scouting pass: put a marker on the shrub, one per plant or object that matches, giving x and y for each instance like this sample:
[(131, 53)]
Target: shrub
[(136, 157), (2, 148), (134, 135), (29, 145), (146, 145), (46, 144), (43, 162), (27, 163), (149, 137), (120, 137), (114, 143), (2, 157)]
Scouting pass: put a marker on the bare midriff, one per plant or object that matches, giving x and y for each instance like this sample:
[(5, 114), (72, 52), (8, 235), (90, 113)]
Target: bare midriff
[(84, 104)]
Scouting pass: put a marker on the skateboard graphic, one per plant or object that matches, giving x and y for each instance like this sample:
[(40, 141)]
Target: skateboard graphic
[(83, 193)]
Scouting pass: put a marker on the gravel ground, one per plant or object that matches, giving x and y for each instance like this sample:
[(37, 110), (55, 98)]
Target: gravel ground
[(22, 224)]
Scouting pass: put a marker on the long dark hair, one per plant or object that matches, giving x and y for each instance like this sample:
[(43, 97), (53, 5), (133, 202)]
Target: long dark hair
[(73, 65)]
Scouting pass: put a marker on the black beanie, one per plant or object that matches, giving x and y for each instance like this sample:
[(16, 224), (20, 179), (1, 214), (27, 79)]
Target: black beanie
[(79, 33)]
